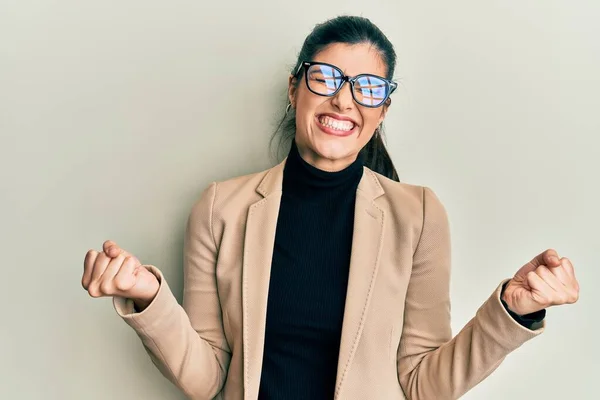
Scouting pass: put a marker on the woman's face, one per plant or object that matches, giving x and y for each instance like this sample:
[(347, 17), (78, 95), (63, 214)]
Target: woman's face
[(331, 131)]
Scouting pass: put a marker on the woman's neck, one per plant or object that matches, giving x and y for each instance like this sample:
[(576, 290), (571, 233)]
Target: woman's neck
[(307, 181), (324, 164)]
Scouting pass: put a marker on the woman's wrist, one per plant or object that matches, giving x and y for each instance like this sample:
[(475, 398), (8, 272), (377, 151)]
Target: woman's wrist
[(140, 304)]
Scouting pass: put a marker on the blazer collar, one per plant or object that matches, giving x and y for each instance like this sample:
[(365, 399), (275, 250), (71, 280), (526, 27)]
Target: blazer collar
[(368, 186)]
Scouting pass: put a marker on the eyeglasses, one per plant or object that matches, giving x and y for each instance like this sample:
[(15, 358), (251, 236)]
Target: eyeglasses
[(326, 80)]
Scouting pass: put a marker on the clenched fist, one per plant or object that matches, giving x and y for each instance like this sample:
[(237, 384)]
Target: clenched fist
[(545, 281), (114, 272)]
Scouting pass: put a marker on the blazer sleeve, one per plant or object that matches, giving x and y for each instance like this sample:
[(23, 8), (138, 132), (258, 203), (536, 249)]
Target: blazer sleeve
[(187, 343), (431, 363)]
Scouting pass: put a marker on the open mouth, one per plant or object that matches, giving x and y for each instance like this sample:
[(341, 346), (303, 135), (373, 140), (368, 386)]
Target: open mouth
[(336, 126)]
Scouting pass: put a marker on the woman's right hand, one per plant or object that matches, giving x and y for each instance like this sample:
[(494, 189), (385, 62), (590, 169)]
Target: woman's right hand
[(115, 272)]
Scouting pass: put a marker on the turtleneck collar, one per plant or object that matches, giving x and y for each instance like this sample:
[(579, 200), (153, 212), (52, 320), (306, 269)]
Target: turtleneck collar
[(304, 180)]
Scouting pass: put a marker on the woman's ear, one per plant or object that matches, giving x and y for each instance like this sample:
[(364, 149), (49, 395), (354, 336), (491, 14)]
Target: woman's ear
[(292, 89), (385, 109)]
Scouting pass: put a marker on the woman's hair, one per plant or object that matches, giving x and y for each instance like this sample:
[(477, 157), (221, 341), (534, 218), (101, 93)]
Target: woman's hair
[(347, 30)]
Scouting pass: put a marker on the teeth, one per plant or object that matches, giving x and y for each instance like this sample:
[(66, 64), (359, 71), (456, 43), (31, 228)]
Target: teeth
[(336, 124)]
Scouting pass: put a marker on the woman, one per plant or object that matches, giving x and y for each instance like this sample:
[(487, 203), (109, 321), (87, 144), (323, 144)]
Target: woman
[(325, 277)]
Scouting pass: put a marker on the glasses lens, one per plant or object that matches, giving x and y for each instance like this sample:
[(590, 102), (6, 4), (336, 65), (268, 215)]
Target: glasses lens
[(370, 90), (323, 79)]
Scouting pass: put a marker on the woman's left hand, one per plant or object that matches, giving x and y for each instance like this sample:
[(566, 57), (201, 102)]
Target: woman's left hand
[(545, 281)]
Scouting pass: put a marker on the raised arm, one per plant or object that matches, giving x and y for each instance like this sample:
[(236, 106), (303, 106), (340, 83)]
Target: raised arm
[(432, 364), (187, 343)]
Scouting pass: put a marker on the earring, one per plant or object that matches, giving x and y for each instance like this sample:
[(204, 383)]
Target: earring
[(287, 109)]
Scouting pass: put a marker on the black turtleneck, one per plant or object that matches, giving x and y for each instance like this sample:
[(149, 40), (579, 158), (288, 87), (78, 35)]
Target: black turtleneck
[(309, 279)]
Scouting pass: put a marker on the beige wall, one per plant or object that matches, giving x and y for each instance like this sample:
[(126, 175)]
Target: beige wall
[(114, 115)]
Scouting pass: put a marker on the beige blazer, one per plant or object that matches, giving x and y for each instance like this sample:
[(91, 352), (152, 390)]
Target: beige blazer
[(396, 337)]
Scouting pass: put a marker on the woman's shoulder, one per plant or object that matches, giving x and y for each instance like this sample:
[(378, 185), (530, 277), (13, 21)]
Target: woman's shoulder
[(252, 184), (394, 188), (240, 182), (233, 194), (404, 194)]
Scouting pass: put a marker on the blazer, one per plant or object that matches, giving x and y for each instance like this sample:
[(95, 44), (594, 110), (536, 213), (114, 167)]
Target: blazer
[(396, 338)]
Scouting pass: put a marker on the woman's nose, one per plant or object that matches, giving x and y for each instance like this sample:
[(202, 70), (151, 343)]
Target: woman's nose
[(343, 99)]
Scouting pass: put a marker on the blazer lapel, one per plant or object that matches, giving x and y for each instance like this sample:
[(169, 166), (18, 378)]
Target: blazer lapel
[(259, 241), (364, 263), (258, 252)]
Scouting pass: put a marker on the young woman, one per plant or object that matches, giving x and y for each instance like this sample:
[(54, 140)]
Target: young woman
[(325, 277)]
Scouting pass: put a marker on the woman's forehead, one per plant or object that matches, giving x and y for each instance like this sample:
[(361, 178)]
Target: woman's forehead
[(353, 59)]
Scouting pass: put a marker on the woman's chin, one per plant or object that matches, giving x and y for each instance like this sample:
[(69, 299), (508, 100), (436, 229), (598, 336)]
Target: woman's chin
[(333, 150)]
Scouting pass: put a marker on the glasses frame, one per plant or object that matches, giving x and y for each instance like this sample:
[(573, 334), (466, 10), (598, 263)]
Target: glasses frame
[(391, 85)]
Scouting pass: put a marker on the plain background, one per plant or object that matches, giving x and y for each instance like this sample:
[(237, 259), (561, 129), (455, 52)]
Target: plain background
[(114, 115)]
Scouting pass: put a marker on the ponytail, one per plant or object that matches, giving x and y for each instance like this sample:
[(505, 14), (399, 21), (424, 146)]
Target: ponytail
[(377, 158)]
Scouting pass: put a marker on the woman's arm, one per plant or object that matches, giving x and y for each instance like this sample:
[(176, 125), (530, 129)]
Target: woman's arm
[(432, 364), (187, 343)]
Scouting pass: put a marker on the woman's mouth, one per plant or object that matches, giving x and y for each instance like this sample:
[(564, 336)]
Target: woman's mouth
[(335, 126)]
